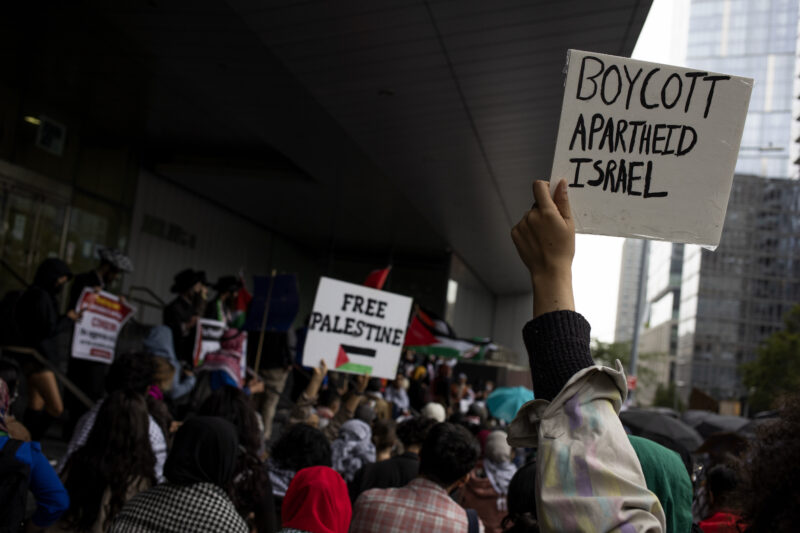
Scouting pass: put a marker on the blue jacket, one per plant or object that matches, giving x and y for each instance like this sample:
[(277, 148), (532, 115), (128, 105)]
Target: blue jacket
[(51, 496)]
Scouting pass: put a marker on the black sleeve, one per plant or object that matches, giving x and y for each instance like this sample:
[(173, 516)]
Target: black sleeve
[(558, 347)]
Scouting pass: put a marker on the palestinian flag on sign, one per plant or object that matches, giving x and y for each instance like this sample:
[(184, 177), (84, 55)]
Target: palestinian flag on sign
[(430, 335), (343, 362)]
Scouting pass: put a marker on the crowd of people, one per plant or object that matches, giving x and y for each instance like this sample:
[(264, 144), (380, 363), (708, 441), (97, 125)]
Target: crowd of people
[(170, 447)]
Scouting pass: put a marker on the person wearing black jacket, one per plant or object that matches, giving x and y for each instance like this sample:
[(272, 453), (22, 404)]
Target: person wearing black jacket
[(399, 470), (182, 313), (37, 324)]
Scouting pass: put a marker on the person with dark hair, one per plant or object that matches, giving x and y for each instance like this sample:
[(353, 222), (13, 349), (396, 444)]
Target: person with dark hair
[(182, 313), (199, 471), (316, 502), (300, 446), (487, 488), (222, 306), (588, 477), (384, 437), (327, 406), (399, 470), (134, 372), (252, 489), (35, 322), (521, 517), (115, 464), (722, 482), (25, 468), (448, 455)]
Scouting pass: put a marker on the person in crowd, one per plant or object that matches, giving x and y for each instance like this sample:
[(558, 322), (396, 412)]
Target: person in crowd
[(768, 491), (115, 464), (399, 470), (222, 307), (199, 472), (722, 482), (487, 488), (327, 406), (303, 411), (90, 375), (374, 398), (589, 477), (461, 394), (300, 446), (25, 468), (316, 502), (182, 313), (351, 402), (521, 517), (159, 343), (448, 455), (252, 489), (668, 479), (418, 388), (384, 436), (34, 321), (434, 411), (441, 386), (133, 372), (397, 394), (353, 448), (10, 373), (224, 367)]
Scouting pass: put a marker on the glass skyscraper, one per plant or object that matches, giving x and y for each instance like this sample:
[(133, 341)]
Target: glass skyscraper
[(757, 39)]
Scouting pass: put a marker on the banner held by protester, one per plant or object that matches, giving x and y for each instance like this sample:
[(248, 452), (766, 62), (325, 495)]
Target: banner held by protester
[(102, 316), (649, 150), (356, 329)]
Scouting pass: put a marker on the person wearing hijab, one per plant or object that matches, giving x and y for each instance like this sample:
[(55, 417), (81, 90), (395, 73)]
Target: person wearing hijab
[(51, 497), (667, 478), (353, 449), (487, 488), (199, 472), (37, 324), (316, 502)]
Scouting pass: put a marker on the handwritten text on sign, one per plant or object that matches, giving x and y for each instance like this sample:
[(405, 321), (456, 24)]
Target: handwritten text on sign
[(649, 150), (102, 317), (356, 329)]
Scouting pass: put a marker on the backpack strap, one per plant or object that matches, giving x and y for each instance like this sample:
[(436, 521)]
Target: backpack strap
[(473, 521)]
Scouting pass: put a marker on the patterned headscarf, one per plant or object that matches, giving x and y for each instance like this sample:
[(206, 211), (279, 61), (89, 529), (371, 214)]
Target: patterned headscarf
[(5, 403)]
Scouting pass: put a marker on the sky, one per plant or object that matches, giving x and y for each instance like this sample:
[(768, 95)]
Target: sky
[(596, 267)]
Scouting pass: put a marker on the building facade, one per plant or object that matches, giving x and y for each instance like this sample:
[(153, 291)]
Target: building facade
[(756, 39), (733, 298), (628, 289)]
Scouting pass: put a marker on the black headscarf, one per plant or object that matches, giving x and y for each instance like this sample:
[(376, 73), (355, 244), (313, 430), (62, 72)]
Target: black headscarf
[(204, 451), (48, 273)]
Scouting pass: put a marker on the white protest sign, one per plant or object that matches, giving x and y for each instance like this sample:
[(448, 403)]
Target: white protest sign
[(649, 150), (207, 340), (356, 329), (102, 317)]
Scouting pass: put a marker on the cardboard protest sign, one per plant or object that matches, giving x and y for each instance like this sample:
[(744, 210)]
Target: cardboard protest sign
[(207, 340), (102, 317), (649, 150), (356, 329)]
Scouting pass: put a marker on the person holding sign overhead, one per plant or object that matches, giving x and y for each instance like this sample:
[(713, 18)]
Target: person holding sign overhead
[(585, 462)]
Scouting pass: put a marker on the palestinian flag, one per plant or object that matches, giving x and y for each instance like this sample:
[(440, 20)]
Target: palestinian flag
[(430, 335), (377, 278), (343, 362), (243, 298)]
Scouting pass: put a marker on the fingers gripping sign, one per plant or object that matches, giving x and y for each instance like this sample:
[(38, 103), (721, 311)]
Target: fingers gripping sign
[(545, 241)]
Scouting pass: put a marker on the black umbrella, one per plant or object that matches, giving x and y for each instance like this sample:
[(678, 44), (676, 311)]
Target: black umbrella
[(661, 428), (707, 423)]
